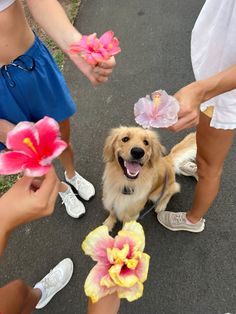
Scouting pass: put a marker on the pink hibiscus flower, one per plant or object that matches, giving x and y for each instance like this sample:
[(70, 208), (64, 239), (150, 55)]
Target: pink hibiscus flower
[(34, 146), (158, 111), (95, 50), (121, 267)]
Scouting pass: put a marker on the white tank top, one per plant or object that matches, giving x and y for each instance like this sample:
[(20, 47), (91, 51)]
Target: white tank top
[(4, 4)]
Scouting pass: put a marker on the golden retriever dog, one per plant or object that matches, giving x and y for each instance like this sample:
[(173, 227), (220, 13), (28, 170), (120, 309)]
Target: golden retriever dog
[(135, 171)]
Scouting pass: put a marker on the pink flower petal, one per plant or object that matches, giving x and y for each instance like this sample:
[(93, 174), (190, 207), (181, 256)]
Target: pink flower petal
[(57, 148), (96, 244), (48, 130), (95, 50), (36, 170), (110, 43), (114, 47), (142, 267), (147, 114), (98, 57), (93, 288), (131, 294), (126, 278), (136, 241), (50, 146), (121, 239), (106, 38), (13, 162), (16, 137), (137, 230), (89, 58)]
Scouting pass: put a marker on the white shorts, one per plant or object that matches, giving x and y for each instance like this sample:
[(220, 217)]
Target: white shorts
[(213, 49)]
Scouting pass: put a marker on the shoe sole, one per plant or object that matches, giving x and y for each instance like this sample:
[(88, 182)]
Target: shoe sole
[(181, 229), (46, 301), (76, 217)]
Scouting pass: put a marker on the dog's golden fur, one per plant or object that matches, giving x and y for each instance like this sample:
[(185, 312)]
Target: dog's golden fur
[(149, 182)]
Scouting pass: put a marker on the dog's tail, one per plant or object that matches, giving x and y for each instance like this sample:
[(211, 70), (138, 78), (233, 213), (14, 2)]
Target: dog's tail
[(182, 152)]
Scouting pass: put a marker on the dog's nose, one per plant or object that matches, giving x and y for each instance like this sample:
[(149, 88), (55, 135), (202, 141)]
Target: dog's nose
[(137, 152)]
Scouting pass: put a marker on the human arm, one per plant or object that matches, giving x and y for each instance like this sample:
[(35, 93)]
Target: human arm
[(27, 200), (5, 127), (50, 15), (108, 304), (191, 96)]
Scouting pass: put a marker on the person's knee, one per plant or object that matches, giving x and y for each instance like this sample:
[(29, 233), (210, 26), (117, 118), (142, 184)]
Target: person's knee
[(207, 169)]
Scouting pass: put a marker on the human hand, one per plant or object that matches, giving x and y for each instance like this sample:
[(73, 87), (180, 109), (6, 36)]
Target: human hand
[(5, 128), (190, 98), (27, 200), (96, 74)]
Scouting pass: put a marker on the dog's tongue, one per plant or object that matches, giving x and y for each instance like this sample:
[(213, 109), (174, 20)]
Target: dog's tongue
[(133, 167)]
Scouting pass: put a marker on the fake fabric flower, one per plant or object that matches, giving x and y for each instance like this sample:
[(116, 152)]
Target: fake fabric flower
[(121, 267), (34, 146), (94, 49), (158, 111)]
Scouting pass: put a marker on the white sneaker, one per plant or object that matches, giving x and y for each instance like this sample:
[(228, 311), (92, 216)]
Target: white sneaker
[(74, 207), (85, 189), (54, 281), (189, 169), (179, 222)]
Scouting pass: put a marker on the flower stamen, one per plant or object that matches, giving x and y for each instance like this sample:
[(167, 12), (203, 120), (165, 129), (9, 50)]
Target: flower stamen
[(29, 143), (156, 100)]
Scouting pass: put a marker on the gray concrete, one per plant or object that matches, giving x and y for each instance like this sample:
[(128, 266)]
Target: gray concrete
[(189, 274)]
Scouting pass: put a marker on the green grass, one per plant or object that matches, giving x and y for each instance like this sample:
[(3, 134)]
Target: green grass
[(73, 10), (6, 182), (57, 54)]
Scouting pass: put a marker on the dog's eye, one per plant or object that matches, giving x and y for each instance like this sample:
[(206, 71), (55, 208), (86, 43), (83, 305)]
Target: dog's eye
[(146, 142), (125, 139)]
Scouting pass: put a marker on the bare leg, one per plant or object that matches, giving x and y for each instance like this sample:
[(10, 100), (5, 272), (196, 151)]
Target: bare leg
[(5, 127), (67, 157), (212, 148), (107, 305), (18, 298)]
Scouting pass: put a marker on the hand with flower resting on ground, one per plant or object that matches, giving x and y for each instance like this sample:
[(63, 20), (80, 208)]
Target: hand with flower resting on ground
[(193, 95)]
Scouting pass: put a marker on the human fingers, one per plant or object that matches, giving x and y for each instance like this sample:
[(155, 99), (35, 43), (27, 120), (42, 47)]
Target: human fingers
[(101, 79), (183, 123), (109, 64), (22, 185), (48, 185), (99, 71)]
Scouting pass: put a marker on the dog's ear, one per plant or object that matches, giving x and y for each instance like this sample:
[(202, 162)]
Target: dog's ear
[(108, 150)]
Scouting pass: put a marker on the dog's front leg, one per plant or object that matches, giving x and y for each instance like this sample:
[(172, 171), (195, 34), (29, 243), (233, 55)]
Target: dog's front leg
[(110, 221), (171, 190)]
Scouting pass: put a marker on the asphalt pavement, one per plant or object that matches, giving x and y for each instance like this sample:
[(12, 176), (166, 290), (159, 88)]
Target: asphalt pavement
[(189, 273)]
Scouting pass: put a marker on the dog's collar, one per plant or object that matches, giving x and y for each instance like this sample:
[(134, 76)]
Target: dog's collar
[(127, 190)]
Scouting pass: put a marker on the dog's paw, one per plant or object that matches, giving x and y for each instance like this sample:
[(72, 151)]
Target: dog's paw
[(109, 222), (160, 208)]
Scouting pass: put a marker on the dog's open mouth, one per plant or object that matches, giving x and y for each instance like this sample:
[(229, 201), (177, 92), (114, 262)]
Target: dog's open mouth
[(131, 168)]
